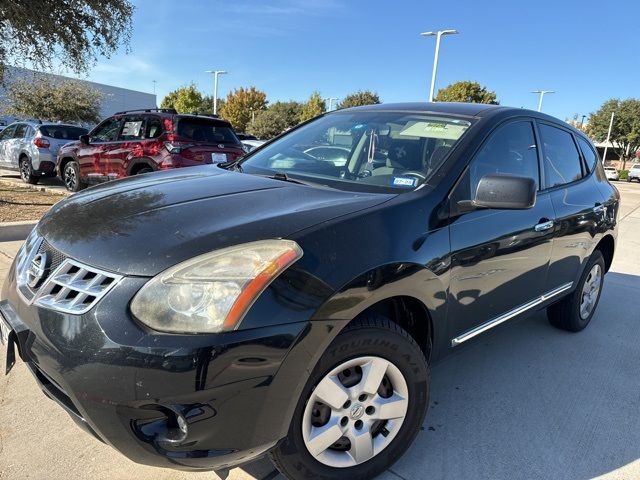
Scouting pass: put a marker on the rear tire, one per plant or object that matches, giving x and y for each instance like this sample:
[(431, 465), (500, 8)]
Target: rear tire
[(370, 391), (71, 177), (574, 312), (26, 172)]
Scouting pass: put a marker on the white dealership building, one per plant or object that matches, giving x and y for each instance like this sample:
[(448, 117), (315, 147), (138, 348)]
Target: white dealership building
[(115, 99)]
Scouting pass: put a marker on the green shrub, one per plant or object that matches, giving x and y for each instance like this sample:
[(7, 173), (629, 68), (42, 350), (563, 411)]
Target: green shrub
[(623, 174)]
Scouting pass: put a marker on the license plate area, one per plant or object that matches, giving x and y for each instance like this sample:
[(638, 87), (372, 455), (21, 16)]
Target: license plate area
[(218, 157)]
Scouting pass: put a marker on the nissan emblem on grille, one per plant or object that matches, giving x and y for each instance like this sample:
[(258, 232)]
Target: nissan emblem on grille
[(37, 270)]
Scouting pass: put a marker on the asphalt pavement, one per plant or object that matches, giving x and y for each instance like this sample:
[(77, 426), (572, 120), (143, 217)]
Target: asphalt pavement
[(523, 401), (52, 184)]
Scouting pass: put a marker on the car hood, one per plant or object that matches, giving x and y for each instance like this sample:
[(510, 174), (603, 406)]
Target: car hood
[(143, 225)]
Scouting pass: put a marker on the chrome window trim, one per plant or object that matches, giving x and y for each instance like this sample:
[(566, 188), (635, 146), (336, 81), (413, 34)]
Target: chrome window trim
[(469, 334)]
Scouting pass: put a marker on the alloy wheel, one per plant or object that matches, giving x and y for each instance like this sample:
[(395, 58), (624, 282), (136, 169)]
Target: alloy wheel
[(355, 412), (25, 170), (70, 178), (590, 291)]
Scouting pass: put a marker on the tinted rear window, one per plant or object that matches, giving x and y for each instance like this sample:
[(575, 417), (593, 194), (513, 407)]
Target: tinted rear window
[(203, 130), (62, 132)]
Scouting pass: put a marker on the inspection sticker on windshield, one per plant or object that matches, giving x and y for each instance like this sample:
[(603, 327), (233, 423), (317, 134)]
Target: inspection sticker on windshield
[(406, 182)]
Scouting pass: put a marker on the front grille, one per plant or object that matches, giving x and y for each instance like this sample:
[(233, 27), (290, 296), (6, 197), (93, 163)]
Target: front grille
[(75, 288), (56, 257)]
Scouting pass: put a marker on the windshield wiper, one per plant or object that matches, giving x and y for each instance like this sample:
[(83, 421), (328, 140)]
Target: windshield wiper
[(285, 178)]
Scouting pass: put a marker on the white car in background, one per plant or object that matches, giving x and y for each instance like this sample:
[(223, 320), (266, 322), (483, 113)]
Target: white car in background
[(634, 173), (249, 142), (611, 173)]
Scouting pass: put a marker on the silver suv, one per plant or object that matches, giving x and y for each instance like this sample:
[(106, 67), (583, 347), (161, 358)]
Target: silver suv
[(31, 147), (634, 173)]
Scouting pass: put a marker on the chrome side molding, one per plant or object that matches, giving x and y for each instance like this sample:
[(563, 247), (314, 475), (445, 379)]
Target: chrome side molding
[(510, 314)]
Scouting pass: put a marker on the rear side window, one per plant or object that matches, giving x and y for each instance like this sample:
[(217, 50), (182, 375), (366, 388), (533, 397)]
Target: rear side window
[(561, 157), (21, 129), (62, 132), (153, 128), (510, 150), (588, 154), (203, 130)]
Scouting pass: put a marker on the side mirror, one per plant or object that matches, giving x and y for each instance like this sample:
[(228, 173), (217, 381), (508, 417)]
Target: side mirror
[(84, 139), (505, 192)]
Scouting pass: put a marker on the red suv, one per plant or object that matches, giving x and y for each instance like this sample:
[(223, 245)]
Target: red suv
[(141, 141)]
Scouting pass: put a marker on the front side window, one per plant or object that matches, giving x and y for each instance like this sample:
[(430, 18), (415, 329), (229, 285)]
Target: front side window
[(132, 128), (107, 131), (561, 157), (511, 150), (374, 151), (7, 133), (154, 127)]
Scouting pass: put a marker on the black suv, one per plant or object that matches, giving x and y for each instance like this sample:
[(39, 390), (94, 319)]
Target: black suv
[(290, 305)]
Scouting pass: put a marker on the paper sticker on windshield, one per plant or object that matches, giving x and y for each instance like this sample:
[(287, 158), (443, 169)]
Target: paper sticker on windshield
[(406, 182)]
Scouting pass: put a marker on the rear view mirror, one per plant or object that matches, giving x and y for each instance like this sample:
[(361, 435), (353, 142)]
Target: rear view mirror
[(505, 192), (84, 139)]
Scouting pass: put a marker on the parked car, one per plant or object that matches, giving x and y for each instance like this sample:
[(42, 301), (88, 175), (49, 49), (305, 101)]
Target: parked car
[(281, 304), (143, 141), (634, 173), (31, 147), (611, 173), (250, 142)]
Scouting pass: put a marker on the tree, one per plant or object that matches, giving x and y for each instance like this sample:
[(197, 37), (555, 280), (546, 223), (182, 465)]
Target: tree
[(267, 124), (241, 105), (361, 97), (625, 133), (290, 111), (73, 33), (315, 106), (187, 99), (466, 91), (44, 99)]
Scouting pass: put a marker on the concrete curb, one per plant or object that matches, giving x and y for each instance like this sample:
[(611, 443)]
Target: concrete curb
[(14, 231)]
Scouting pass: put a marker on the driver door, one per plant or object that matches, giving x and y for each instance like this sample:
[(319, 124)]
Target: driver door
[(499, 257), (94, 158)]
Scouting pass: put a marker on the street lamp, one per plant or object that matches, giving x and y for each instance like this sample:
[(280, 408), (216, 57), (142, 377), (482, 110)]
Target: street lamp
[(542, 93), (438, 35), (215, 87), (330, 100)]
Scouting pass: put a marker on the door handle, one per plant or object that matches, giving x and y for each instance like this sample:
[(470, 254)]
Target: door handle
[(541, 227)]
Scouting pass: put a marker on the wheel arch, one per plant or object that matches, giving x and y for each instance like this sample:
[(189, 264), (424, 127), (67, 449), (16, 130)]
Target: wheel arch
[(409, 295), (136, 164), (606, 245)]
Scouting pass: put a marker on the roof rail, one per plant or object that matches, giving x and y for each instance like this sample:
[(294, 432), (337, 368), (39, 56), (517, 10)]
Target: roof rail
[(161, 110)]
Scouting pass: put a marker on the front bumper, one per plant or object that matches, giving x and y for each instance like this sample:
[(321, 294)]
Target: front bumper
[(177, 401)]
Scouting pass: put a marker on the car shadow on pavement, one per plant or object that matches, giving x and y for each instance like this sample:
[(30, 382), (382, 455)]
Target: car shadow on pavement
[(528, 401)]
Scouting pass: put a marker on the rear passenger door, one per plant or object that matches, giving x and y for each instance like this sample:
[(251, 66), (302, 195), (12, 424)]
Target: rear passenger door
[(14, 145), (499, 257), (578, 204), (128, 147)]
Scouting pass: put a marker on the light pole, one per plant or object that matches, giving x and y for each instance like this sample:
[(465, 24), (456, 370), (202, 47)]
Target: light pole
[(542, 94), (582, 121), (330, 99), (215, 87), (606, 145), (438, 35)]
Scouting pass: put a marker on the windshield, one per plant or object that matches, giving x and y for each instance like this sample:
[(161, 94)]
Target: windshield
[(62, 132), (377, 151)]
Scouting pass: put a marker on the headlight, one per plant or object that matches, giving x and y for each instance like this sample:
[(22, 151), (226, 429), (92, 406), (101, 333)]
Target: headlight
[(212, 292)]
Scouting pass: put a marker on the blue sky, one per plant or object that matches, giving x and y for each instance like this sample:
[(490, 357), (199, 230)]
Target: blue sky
[(586, 51)]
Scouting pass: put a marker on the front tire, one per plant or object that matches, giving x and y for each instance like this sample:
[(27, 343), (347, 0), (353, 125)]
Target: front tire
[(71, 177), (26, 172), (362, 407), (574, 312)]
